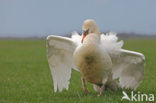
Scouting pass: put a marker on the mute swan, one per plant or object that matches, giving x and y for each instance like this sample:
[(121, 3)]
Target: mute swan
[(98, 57)]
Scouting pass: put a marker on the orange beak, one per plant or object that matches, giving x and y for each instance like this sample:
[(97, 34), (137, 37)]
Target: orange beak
[(83, 38), (85, 33)]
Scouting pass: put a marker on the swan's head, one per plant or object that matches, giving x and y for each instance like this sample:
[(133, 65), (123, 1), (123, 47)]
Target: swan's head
[(89, 26)]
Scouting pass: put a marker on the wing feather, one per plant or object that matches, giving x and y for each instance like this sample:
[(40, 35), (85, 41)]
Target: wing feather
[(59, 54), (129, 68)]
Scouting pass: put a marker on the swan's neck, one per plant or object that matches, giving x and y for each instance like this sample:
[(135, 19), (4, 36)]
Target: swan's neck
[(92, 38)]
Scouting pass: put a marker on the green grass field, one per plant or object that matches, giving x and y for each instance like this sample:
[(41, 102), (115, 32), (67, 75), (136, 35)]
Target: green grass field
[(25, 76)]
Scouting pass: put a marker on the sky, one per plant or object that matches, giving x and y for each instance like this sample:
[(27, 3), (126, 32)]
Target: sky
[(24, 18)]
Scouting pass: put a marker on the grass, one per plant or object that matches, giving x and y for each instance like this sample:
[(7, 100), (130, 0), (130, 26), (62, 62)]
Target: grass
[(25, 76)]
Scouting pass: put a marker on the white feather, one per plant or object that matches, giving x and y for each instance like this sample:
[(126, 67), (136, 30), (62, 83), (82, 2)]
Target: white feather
[(110, 43), (59, 53), (76, 38)]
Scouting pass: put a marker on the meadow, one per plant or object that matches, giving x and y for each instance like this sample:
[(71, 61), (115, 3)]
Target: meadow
[(25, 75)]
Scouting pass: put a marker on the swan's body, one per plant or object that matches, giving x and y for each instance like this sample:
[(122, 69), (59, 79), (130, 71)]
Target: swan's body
[(93, 63), (99, 58)]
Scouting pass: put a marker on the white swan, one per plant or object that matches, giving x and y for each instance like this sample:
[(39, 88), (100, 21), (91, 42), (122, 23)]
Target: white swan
[(98, 57)]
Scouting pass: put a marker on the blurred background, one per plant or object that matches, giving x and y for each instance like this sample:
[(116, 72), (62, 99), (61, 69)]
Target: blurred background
[(39, 18)]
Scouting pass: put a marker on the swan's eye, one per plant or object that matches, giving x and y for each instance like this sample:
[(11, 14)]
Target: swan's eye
[(86, 32)]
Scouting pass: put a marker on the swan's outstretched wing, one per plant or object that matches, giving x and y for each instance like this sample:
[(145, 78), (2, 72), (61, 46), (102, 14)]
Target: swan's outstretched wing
[(129, 68), (59, 53)]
